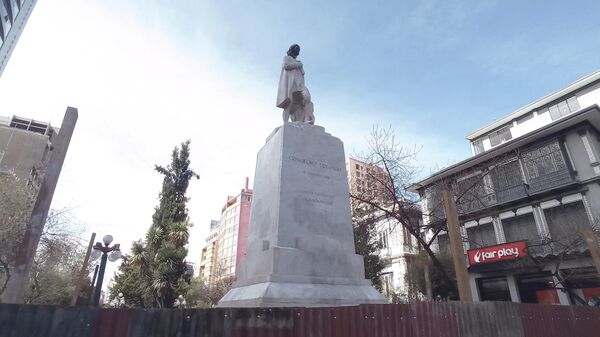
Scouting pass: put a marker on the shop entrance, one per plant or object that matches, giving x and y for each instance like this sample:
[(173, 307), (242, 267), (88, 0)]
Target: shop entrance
[(537, 288), (493, 289)]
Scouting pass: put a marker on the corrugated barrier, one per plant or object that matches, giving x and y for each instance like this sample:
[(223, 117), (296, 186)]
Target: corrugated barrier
[(434, 319)]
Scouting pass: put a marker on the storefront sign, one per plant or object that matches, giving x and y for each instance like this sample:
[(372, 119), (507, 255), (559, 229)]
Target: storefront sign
[(503, 252)]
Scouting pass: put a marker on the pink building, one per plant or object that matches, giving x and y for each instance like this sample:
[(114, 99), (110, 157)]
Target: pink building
[(244, 216), (226, 246)]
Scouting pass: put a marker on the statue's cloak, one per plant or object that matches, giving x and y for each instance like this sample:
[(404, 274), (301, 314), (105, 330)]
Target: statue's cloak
[(291, 81)]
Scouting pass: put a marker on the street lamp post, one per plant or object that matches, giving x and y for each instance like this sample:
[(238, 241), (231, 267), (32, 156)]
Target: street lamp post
[(108, 253)]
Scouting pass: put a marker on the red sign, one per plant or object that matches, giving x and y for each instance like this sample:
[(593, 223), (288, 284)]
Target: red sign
[(503, 252)]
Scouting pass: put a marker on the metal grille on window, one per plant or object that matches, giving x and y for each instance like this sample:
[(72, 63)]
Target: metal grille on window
[(523, 228), (508, 181), (565, 223), (545, 167)]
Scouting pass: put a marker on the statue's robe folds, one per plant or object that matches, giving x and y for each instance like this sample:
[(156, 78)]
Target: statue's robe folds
[(292, 93)]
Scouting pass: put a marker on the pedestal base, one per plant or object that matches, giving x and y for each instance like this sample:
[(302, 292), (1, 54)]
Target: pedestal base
[(270, 294), (300, 248)]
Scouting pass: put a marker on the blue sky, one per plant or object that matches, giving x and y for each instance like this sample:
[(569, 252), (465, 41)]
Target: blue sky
[(415, 62), (147, 74)]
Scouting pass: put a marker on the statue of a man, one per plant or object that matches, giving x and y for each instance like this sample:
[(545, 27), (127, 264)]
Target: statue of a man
[(293, 96)]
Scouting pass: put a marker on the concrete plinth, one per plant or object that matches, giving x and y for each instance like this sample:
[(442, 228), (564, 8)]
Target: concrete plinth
[(300, 243)]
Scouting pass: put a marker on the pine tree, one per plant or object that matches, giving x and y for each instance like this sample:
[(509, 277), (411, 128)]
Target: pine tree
[(155, 269)]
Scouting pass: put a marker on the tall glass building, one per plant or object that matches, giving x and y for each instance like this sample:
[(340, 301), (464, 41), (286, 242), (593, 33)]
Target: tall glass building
[(13, 17)]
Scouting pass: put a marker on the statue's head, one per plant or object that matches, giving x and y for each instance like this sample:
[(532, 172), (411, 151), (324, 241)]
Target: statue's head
[(294, 50)]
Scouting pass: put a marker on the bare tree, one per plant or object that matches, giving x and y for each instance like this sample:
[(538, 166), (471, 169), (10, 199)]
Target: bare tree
[(16, 204), (393, 170)]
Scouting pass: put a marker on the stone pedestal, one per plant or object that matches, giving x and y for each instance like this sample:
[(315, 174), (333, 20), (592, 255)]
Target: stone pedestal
[(300, 242)]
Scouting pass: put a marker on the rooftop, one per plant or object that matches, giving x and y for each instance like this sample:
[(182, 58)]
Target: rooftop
[(590, 115)]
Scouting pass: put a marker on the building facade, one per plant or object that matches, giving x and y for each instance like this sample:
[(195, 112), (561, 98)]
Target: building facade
[(25, 147), (524, 198), (226, 244), (397, 246), (209, 254), (13, 17)]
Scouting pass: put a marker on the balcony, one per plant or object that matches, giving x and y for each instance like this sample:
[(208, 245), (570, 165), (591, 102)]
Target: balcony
[(544, 167)]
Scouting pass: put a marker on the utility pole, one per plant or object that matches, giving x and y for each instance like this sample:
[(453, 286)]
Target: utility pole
[(456, 245), (83, 271), (24, 259)]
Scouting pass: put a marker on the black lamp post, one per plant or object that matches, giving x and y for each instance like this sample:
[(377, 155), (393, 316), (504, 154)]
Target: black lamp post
[(111, 253)]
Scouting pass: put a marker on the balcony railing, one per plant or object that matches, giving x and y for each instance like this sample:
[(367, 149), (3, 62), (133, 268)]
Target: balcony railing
[(544, 167)]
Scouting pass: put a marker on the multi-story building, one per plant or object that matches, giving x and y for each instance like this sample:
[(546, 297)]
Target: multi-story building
[(525, 196), (209, 254), (25, 147), (13, 17), (230, 236), (397, 246), (366, 180)]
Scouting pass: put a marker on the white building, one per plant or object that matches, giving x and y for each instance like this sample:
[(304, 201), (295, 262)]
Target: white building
[(397, 246), (398, 249)]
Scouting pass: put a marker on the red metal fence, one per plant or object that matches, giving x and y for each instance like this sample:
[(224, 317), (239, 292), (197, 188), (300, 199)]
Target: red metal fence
[(453, 319)]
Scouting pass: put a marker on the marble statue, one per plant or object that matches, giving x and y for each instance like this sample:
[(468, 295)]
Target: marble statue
[(293, 96)]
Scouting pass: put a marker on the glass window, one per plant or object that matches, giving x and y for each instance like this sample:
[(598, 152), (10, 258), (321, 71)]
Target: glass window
[(537, 288), (478, 146), (573, 104), (500, 136), (565, 223), (564, 108), (481, 236), (525, 118), (522, 228), (494, 289), (444, 243)]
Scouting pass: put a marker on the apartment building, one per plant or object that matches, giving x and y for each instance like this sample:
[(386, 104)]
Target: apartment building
[(209, 254), (227, 242), (397, 246), (525, 196)]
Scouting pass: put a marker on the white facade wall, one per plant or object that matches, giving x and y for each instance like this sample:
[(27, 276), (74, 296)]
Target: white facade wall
[(395, 248), (586, 98)]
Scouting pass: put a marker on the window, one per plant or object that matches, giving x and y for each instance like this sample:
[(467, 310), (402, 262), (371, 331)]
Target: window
[(444, 243), (494, 289), (383, 239), (500, 136), (525, 118), (481, 236), (563, 108), (565, 223), (522, 228), (387, 284), (478, 146)]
